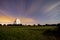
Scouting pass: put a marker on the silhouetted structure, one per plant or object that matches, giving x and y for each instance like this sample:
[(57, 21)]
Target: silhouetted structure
[(17, 21)]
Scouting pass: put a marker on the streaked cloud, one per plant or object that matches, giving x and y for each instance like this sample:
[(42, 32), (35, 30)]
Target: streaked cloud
[(30, 11), (51, 7)]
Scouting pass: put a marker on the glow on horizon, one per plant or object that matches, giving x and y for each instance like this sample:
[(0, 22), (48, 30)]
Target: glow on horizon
[(10, 20), (30, 11)]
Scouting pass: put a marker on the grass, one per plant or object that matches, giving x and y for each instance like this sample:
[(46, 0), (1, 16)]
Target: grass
[(25, 33)]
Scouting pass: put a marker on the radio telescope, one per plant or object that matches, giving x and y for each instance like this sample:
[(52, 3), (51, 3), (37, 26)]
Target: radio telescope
[(17, 21)]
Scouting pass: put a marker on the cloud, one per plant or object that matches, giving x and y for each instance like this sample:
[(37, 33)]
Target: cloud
[(27, 20), (51, 7), (32, 8), (29, 11)]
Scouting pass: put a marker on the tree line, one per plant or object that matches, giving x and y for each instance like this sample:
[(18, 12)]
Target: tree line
[(30, 25)]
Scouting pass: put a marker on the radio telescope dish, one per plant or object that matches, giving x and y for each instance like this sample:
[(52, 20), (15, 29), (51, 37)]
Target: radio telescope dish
[(17, 21)]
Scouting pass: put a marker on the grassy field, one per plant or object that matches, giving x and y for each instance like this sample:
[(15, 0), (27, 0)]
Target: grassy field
[(26, 33)]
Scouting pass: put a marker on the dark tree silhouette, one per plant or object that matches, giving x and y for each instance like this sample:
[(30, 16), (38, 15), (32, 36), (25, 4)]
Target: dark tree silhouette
[(58, 24), (4, 25), (14, 25), (39, 25), (34, 25), (0, 24)]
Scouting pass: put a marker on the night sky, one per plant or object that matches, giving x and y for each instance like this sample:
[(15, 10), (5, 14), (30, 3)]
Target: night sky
[(30, 11)]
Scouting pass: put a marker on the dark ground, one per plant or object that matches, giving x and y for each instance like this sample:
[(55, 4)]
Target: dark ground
[(29, 33)]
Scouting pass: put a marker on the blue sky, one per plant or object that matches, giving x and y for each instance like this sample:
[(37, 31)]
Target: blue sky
[(33, 11)]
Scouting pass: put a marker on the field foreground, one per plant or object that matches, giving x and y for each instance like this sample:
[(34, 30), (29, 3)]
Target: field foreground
[(28, 33)]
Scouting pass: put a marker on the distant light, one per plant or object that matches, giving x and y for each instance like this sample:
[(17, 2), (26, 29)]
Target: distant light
[(17, 21)]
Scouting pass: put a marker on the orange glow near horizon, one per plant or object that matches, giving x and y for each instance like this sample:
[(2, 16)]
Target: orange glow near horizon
[(4, 20)]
